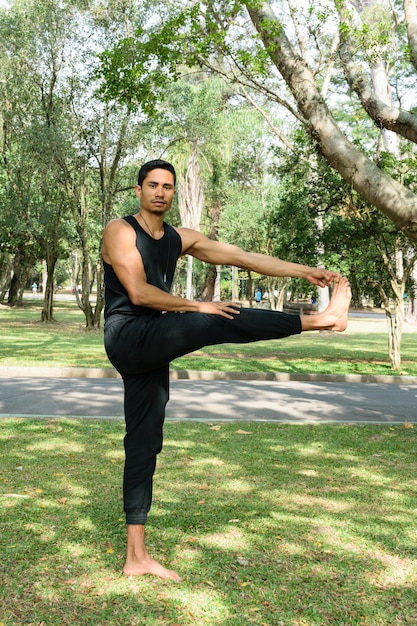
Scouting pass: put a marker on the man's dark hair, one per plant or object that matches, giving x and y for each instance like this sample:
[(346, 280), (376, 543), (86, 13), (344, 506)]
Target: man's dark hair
[(154, 165)]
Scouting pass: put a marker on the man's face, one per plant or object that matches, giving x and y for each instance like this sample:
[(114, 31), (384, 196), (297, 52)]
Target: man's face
[(157, 192)]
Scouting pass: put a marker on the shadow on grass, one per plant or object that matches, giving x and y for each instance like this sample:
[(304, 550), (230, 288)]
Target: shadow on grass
[(286, 525)]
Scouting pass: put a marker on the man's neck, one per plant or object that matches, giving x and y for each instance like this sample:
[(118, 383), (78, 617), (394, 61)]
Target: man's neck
[(151, 223)]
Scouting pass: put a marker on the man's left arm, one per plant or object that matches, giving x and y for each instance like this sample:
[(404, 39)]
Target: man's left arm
[(218, 253)]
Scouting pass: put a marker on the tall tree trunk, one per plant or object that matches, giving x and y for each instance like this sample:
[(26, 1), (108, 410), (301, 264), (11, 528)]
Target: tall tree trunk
[(5, 274), (18, 280), (211, 272), (85, 288), (217, 295), (100, 296), (190, 201), (411, 316), (277, 292), (189, 286), (394, 311), (395, 329), (210, 279), (48, 300), (250, 288)]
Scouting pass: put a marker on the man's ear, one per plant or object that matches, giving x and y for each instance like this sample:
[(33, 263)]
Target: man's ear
[(138, 189)]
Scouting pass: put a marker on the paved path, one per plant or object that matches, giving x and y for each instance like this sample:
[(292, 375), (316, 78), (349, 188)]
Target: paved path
[(217, 400)]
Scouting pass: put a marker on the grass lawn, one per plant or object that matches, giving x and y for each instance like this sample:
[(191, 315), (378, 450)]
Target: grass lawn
[(362, 349), (293, 525)]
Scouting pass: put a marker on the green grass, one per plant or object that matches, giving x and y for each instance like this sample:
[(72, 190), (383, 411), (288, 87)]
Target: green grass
[(25, 341), (293, 525)]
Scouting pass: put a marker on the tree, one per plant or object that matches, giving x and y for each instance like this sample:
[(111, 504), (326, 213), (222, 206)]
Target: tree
[(57, 133), (353, 237), (19, 191), (31, 53), (380, 262), (207, 128), (190, 200), (288, 57), (250, 191)]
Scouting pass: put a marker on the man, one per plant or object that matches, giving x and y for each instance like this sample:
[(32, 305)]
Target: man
[(146, 327)]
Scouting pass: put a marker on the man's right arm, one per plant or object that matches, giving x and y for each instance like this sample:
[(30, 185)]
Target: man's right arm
[(119, 250)]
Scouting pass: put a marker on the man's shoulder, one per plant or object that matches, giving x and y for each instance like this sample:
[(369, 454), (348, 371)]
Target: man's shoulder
[(189, 237), (118, 223), (189, 234), (118, 233)]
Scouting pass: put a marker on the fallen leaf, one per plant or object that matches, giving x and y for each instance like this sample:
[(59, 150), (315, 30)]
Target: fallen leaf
[(408, 425), (215, 427), (62, 501), (243, 432)]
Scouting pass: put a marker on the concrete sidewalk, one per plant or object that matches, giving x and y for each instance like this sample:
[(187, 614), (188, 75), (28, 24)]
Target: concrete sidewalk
[(212, 396)]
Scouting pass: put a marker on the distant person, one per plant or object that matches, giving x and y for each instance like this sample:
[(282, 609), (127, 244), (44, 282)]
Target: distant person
[(34, 289), (258, 296), (146, 327)]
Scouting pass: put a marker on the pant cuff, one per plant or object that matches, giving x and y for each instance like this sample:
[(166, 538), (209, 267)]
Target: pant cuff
[(141, 518)]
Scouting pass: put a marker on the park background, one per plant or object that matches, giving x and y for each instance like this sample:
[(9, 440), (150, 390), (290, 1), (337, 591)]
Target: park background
[(292, 126), (293, 134)]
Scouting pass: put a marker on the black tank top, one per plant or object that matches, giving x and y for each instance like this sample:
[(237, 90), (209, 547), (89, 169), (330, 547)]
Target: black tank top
[(159, 257)]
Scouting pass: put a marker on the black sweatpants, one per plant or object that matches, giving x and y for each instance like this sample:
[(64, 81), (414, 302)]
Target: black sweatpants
[(141, 349)]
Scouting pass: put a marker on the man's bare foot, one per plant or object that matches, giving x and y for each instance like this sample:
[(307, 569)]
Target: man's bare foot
[(335, 316), (339, 304), (138, 561), (149, 566)]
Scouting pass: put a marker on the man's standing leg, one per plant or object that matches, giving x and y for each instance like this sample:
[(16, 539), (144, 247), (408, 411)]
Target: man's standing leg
[(146, 396)]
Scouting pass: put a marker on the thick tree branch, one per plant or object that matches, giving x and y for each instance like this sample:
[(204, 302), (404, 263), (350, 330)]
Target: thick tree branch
[(385, 193), (401, 122)]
